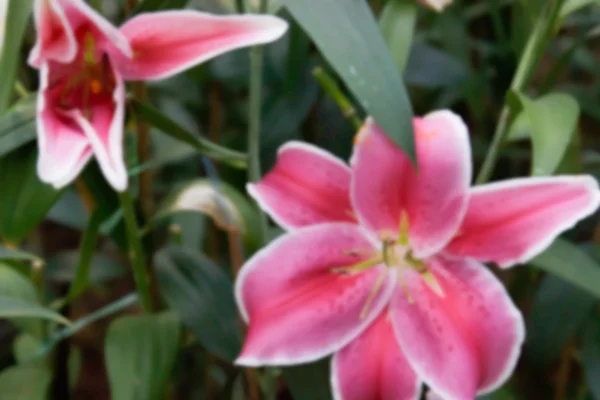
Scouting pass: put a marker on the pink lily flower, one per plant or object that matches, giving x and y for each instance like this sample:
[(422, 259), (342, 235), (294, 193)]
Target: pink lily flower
[(83, 61), (381, 266)]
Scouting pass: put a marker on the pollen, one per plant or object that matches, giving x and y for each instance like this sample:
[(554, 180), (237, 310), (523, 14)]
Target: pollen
[(96, 86)]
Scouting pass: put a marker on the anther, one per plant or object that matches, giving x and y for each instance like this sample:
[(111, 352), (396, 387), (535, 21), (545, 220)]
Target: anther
[(96, 86)]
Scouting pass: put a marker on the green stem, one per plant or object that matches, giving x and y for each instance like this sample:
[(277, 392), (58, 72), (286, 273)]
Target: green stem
[(529, 59), (21, 90), (497, 24), (64, 333), (256, 69), (331, 88), (136, 252)]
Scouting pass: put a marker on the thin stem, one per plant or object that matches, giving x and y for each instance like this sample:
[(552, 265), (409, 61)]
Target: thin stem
[(256, 69), (529, 59), (331, 88), (143, 151), (136, 252), (497, 24), (21, 90)]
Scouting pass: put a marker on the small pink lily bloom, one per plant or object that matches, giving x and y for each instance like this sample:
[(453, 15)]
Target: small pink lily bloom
[(83, 61), (382, 265)]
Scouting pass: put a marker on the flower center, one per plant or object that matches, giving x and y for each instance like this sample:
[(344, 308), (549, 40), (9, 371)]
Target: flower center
[(87, 78), (395, 254)]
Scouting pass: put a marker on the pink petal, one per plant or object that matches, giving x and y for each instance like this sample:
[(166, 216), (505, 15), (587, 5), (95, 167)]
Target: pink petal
[(434, 198), (104, 131), (161, 51), (380, 176), (85, 20), (63, 148), (466, 342), (55, 39), (298, 309), (372, 367), (307, 186), (512, 221)]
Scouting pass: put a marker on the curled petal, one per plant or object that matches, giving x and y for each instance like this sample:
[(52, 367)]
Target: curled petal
[(55, 38), (298, 308), (161, 51), (465, 342), (385, 185), (512, 221), (62, 146), (104, 130), (372, 367), (307, 186)]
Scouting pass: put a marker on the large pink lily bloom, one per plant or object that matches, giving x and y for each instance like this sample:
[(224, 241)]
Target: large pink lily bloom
[(83, 61), (381, 266)]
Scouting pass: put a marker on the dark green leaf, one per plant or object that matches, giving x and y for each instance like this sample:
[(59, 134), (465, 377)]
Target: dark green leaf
[(156, 5), (348, 36), (25, 200), (590, 354), (397, 23), (309, 381), (16, 21), (572, 264), (202, 295), (25, 382), (10, 254), (431, 67), (17, 127), (11, 307), (16, 286), (140, 353), (558, 311)]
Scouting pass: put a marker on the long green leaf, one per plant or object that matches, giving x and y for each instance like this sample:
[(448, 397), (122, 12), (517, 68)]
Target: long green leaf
[(17, 126), (202, 295), (349, 37), (590, 354), (140, 353), (11, 307), (25, 200), (397, 21), (173, 129), (572, 264), (16, 22)]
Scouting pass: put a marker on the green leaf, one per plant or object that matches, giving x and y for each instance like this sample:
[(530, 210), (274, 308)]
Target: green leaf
[(590, 354), (572, 264), (11, 307), (202, 295), (156, 5), (17, 126), (16, 286), (16, 21), (10, 254), (140, 353), (397, 22), (25, 199), (349, 37), (309, 381), (558, 311), (550, 122), (169, 127), (25, 382), (570, 6), (223, 203)]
